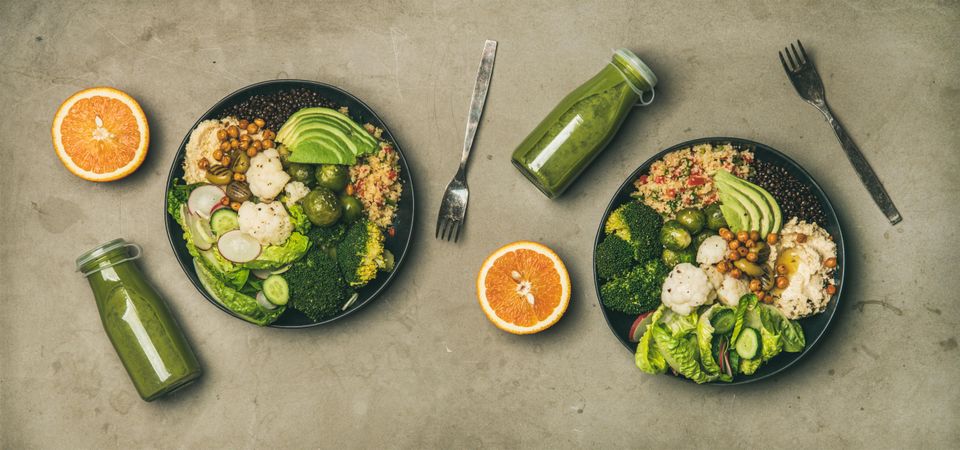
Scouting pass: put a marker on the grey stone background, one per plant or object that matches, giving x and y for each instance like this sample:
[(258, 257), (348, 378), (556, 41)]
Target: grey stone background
[(421, 366)]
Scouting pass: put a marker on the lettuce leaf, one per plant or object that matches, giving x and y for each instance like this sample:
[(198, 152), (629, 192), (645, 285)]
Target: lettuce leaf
[(244, 306), (793, 339), (705, 340), (746, 315), (749, 366), (301, 224), (789, 332), (277, 256), (177, 195), (680, 351), (223, 269), (648, 358)]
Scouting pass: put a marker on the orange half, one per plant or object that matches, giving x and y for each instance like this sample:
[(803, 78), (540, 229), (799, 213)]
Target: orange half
[(523, 287), (100, 134)]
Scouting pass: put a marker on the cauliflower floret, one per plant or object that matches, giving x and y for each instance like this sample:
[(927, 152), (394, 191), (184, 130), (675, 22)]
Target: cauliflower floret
[(731, 290), (685, 288), (266, 176), (711, 251), (266, 222), (295, 191)]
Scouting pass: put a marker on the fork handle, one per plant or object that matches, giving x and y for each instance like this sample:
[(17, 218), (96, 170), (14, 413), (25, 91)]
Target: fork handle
[(867, 176), (484, 73)]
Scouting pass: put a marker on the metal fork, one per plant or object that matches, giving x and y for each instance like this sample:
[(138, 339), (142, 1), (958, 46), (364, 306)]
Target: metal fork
[(453, 208), (805, 79)]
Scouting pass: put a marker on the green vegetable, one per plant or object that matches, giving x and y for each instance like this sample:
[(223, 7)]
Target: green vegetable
[(705, 334), (301, 172), (672, 258), (613, 257), (316, 287), (360, 254), (648, 358), (352, 208), (692, 219), (637, 224), (715, 220), (333, 176), (723, 320), (301, 224), (748, 343), (775, 324), (678, 345), (327, 237), (698, 239), (322, 207), (637, 290), (674, 236), (177, 196), (220, 267), (224, 220), (749, 366), (276, 289), (276, 256), (244, 306)]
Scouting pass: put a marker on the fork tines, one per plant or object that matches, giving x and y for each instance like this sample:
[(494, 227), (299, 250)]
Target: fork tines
[(798, 60)]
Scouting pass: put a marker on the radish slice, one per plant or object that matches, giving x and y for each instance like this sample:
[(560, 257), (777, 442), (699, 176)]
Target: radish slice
[(200, 231), (238, 247), (219, 205), (203, 199), (262, 300), (638, 327), (350, 302), (261, 273), (281, 270)]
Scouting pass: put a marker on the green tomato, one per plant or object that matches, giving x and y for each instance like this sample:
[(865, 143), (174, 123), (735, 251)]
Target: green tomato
[(322, 207), (692, 219), (674, 236), (352, 208), (715, 220), (333, 176), (301, 172)]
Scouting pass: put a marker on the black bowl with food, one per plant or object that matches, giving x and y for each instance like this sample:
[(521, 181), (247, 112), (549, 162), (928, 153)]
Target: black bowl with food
[(797, 194), (273, 102)]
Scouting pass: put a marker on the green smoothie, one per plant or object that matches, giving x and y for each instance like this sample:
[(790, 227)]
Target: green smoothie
[(582, 124), (147, 339)]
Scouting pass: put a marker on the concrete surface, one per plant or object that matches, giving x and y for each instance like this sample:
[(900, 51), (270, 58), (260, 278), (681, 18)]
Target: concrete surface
[(421, 366)]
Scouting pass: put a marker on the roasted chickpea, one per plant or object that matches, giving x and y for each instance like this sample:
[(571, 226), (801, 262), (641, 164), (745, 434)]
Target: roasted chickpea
[(235, 206), (349, 189), (733, 245), (782, 282), (752, 257), (225, 161), (750, 243), (225, 145), (754, 235), (269, 134), (243, 124), (221, 134), (754, 285), (233, 131), (743, 251), (267, 143), (781, 269), (772, 238), (218, 154), (239, 177), (742, 236), (252, 128), (260, 123), (245, 138), (203, 163), (251, 151), (725, 234), (801, 238), (225, 201), (762, 296), (722, 267), (733, 255), (831, 289), (244, 145), (830, 262), (735, 273), (257, 145), (234, 144)]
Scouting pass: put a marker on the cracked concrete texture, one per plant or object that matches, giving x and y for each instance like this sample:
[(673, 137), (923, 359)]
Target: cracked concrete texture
[(421, 366)]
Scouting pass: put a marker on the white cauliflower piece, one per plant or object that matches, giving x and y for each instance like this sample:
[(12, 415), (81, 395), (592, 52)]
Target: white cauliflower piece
[(731, 290), (295, 191), (268, 223), (711, 251), (685, 288), (266, 176)]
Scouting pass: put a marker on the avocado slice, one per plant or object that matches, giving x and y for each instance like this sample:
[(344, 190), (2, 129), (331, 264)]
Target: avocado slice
[(363, 146), (743, 197), (770, 215), (320, 143), (776, 220), (736, 217), (302, 116)]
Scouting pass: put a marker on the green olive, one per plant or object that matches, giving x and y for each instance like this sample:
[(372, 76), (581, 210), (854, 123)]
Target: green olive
[(715, 220), (692, 219), (322, 207), (217, 174), (674, 236), (352, 209), (301, 172), (238, 191), (333, 176), (241, 163), (748, 267)]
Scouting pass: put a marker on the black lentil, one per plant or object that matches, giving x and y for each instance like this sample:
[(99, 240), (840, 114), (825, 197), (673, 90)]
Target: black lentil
[(275, 107), (795, 198)]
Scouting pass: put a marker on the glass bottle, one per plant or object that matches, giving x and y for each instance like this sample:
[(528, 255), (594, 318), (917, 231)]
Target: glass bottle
[(581, 125), (145, 335)]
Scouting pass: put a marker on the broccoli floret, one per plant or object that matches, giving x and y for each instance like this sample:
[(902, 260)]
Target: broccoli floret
[(324, 237), (636, 291), (316, 287), (639, 225), (614, 256), (360, 253)]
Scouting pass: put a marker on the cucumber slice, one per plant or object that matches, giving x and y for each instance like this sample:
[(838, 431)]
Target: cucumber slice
[(748, 343), (723, 321), (224, 220), (276, 290)]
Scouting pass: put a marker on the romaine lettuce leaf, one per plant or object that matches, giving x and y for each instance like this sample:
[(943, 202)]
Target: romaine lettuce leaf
[(705, 341), (745, 316), (648, 358), (177, 195), (223, 269), (749, 366), (277, 256), (770, 344), (680, 351), (789, 332), (301, 224), (244, 306)]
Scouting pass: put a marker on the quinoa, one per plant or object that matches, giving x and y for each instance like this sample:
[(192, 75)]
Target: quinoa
[(376, 183), (276, 107), (683, 179), (795, 198)]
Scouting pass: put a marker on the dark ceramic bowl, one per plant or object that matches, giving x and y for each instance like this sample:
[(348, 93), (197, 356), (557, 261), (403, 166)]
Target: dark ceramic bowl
[(814, 327), (398, 244)]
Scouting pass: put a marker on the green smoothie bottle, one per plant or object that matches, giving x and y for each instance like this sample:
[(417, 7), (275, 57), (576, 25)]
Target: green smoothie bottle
[(148, 340), (578, 128)]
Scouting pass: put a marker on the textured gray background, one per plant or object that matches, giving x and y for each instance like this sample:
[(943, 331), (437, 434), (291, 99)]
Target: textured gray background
[(421, 366)]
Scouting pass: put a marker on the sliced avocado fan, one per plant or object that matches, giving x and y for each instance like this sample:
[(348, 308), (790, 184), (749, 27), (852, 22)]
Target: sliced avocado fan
[(738, 195)]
